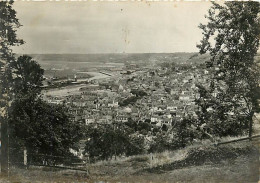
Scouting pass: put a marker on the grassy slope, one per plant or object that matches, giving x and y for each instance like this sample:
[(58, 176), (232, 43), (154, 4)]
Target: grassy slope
[(202, 162), (236, 162), (229, 163)]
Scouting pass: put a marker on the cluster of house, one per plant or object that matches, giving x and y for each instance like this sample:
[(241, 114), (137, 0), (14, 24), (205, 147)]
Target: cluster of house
[(169, 96)]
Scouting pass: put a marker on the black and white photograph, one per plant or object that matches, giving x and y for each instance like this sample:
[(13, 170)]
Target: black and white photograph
[(129, 91)]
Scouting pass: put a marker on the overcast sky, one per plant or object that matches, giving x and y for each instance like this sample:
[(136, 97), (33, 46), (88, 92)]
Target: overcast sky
[(110, 27)]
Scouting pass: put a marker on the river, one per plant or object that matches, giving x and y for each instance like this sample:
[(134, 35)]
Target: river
[(74, 89)]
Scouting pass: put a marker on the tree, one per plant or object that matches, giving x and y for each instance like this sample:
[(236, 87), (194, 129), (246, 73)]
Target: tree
[(160, 143), (135, 145), (36, 125), (33, 123), (29, 76), (106, 141), (138, 92), (231, 36), (183, 132), (42, 128), (8, 26)]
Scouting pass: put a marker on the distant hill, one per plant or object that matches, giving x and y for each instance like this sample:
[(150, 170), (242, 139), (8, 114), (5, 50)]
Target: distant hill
[(77, 61)]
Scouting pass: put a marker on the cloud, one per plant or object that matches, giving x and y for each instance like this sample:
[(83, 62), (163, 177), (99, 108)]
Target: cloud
[(108, 27)]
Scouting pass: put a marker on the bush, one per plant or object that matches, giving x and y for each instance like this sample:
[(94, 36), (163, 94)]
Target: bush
[(106, 141)]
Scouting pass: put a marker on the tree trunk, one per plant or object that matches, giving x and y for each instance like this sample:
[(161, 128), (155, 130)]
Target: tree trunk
[(250, 118), (25, 158), (4, 147)]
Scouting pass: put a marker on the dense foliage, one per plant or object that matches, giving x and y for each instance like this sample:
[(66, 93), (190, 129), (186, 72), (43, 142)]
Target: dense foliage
[(8, 38), (35, 125), (231, 37), (106, 141), (31, 123), (29, 76), (42, 128)]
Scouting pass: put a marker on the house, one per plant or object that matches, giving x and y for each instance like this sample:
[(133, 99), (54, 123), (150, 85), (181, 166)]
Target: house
[(121, 118), (167, 122), (113, 104), (172, 108), (154, 119), (184, 97), (89, 120)]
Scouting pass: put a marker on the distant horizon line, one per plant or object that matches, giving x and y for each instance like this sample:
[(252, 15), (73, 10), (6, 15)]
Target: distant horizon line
[(101, 53), (258, 52)]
